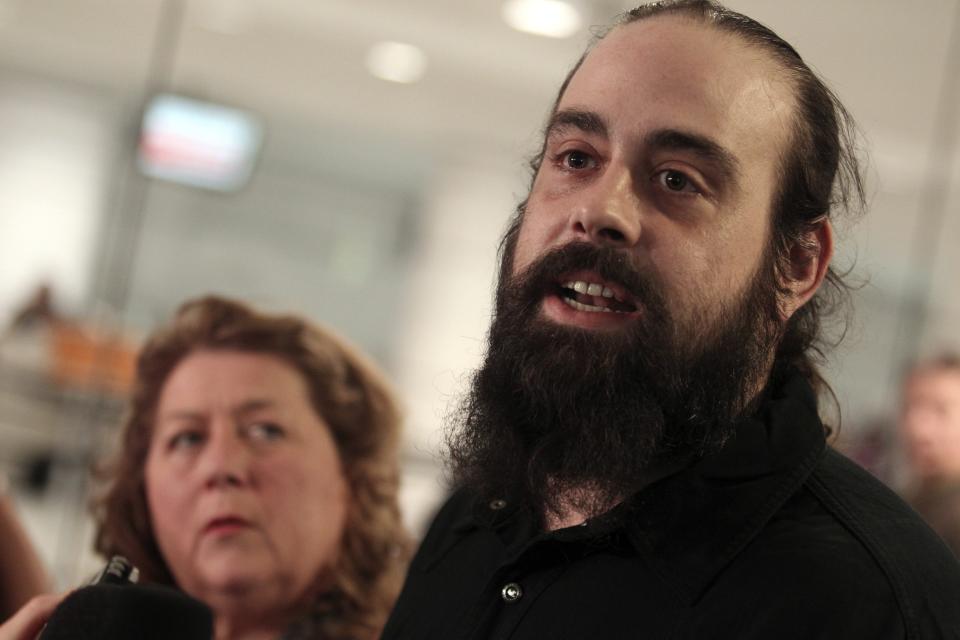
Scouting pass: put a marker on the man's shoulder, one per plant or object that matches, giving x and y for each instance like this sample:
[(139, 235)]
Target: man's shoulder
[(843, 557), (879, 520), (458, 506), (461, 515), (851, 544), (877, 517), (455, 513)]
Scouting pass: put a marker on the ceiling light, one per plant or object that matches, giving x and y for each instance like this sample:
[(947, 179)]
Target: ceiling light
[(551, 18), (396, 62)]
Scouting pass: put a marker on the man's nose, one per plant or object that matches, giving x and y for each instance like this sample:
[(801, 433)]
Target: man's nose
[(609, 211), (225, 459)]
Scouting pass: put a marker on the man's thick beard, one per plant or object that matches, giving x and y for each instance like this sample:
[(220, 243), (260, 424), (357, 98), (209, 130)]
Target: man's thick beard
[(560, 417)]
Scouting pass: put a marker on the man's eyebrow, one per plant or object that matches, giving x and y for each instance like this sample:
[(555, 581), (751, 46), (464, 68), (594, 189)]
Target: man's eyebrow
[(712, 151), (586, 121)]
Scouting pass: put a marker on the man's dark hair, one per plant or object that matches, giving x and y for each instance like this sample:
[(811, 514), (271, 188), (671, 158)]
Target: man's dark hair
[(820, 176)]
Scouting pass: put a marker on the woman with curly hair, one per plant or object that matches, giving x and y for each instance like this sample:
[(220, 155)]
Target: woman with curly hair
[(257, 472)]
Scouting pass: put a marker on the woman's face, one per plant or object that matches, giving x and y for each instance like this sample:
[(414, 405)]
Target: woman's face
[(244, 485)]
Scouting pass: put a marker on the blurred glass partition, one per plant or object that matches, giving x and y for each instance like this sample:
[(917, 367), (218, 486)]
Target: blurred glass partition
[(331, 246)]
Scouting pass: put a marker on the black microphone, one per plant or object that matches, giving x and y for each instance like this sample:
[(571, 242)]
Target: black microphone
[(113, 607)]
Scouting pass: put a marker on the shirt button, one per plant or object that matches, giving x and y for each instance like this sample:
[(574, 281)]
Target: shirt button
[(498, 504), (511, 592)]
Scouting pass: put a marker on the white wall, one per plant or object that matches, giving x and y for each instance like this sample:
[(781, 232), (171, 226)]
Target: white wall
[(441, 338), (55, 150)]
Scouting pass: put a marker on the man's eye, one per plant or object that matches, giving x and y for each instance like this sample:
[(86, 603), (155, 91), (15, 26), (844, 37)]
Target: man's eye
[(265, 431), (577, 160), (676, 181)]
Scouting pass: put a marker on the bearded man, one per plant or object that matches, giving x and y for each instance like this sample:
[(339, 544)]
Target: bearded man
[(641, 455)]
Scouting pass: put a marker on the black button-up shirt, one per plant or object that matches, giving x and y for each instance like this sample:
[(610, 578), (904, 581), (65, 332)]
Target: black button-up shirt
[(774, 537)]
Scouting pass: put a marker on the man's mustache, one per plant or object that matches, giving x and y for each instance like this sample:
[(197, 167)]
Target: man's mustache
[(542, 276)]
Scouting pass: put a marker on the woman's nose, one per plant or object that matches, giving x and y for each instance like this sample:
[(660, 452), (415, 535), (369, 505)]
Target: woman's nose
[(225, 459), (609, 211)]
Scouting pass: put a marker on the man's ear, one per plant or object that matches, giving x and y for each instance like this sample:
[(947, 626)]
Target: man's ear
[(809, 260)]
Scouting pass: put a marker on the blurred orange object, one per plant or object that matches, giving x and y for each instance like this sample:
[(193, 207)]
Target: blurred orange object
[(86, 361)]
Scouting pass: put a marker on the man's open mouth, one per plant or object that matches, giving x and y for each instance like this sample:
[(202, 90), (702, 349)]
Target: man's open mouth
[(596, 297)]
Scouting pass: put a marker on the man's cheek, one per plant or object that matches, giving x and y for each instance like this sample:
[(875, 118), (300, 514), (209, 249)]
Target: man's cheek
[(521, 258)]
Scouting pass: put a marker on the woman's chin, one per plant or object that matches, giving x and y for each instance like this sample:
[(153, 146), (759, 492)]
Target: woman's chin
[(228, 576), (243, 577)]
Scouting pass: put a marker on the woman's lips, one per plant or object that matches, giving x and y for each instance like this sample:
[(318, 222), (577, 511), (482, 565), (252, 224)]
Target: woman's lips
[(222, 525)]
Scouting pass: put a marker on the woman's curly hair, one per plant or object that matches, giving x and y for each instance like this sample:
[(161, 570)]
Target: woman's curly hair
[(364, 420)]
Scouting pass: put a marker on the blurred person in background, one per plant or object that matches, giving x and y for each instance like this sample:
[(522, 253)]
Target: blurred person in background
[(930, 431), (640, 454), (258, 473), (22, 574)]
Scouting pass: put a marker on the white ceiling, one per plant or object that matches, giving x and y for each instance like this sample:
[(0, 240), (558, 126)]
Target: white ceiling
[(304, 59)]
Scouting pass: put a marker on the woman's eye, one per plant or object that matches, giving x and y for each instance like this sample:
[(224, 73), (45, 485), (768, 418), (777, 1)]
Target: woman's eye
[(185, 440), (265, 431), (676, 181), (577, 160)]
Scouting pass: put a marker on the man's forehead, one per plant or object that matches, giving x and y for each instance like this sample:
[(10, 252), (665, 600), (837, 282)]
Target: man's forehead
[(683, 47), (677, 73)]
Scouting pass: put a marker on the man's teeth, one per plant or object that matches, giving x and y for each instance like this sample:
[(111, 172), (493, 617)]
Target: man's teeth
[(589, 288), (593, 289), (587, 307)]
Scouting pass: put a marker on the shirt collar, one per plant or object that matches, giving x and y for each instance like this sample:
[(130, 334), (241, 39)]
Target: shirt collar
[(692, 524)]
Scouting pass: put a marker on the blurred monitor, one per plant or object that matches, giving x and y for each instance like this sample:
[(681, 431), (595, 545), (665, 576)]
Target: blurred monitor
[(196, 143)]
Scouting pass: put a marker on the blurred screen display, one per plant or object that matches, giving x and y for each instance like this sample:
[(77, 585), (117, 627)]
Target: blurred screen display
[(196, 143)]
